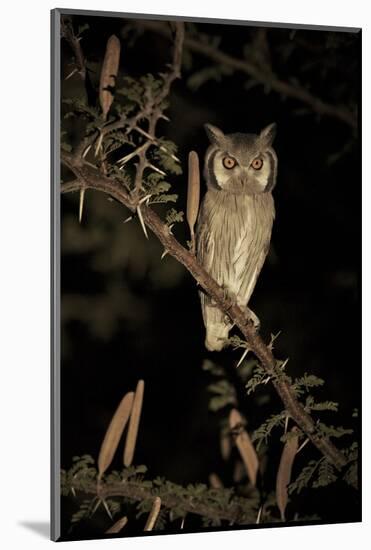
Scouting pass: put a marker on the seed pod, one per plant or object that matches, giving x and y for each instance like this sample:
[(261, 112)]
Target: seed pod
[(214, 481), (284, 471), (117, 526), (114, 432), (108, 74), (153, 515), (239, 471), (131, 437), (244, 445), (193, 195), (225, 445)]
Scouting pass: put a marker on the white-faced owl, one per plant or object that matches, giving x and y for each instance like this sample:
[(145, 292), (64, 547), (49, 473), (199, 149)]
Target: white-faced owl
[(235, 220)]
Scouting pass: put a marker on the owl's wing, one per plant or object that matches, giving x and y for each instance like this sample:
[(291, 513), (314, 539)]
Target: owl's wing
[(252, 271), (205, 243)]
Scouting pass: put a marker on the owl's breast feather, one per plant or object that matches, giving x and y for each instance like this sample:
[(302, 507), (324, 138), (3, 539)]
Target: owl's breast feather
[(236, 229)]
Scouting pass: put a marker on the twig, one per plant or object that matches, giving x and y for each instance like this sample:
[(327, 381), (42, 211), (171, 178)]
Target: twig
[(155, 102), (264, 76), (74, 42), (87, 177)]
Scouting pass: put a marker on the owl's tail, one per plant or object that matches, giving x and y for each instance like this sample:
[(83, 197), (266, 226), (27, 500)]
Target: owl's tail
[(217, 329)]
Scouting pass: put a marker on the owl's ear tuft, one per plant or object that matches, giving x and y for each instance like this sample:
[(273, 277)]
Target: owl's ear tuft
[(215, 135), (269, 133)]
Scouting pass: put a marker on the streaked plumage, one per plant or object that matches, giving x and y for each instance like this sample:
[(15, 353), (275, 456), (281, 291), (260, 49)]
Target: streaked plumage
[(235, 221)]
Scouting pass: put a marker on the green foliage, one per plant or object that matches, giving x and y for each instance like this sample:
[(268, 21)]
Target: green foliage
[(305, 382), (351, 473), (259, 377), (158, 188), (236, 342), (173, 216), (305, 476), (82, 28), (213, 368), (164, 153), (317, 473), (212, 501), (332, 431), (82, 469), (326, 475), (84, 511), (310, 405), (140, 90), (224, 394), (78, 106), (262, 433)]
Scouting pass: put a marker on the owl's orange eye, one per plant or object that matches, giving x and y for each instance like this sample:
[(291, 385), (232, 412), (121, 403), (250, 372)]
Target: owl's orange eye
[(257, 163), (229, 162)]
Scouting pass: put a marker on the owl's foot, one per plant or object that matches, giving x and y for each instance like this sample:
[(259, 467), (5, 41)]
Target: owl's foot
[(229, 297), (251, 317)]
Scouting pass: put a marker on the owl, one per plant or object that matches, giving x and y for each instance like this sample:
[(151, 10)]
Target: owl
[(234, 225)]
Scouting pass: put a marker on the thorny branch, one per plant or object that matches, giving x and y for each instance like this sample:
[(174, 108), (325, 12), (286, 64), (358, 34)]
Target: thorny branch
[(235, 512), (261, 72), (87, 176), (67, 32)]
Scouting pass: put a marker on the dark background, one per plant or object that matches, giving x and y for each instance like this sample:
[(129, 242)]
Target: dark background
[(127, 315)]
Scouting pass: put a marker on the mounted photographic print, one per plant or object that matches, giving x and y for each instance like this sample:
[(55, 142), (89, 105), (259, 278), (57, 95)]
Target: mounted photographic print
[(206, 217)]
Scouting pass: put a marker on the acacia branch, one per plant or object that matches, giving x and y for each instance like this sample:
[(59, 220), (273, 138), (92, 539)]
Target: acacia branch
[(237, 511), (87, 177), (262, 74)]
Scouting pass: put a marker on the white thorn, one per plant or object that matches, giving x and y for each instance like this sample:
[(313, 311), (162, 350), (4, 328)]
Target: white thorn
[(259, 515), (140, 216), (99, 144), (81, 205), (87, 163), (128, 219), (107, 509), (164, 254), (156, 169), (286, 422), (131, 155), (71, 73), (143, 199), (96, 506), (243, 357), (303, 445), (86, 151), (155, 141), (182, 524)]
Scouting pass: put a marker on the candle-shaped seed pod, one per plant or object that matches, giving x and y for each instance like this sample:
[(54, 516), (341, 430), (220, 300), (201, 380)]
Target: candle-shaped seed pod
[(131, 437), (108, 74), (193, 195), (114, 433), (284, 470), (244, 445)]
